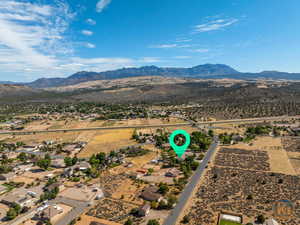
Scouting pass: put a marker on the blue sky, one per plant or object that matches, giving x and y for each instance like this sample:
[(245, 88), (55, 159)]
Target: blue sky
[(55, 38)]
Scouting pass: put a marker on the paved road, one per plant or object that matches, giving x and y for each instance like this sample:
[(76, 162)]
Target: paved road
[(78, 208), (25, 132), (26, 216), (189, 189)]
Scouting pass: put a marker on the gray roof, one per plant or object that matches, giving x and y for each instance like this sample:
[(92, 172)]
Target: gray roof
[(271, 222)]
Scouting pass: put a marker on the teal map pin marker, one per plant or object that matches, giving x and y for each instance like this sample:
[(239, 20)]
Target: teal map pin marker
[(180, 150)]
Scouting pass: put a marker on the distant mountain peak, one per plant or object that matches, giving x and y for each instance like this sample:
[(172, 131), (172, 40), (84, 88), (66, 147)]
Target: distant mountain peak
[(205, 71)]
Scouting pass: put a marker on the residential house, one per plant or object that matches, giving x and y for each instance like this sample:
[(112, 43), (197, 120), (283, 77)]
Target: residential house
[(69, 148), (173, 173), (150, 194), (152, 197), (23, 196), (23, 168), (237, 138), (144, 210), (58, 163), (271, 222), (50, 212), (30, 148), (68, 172), (83, 165)]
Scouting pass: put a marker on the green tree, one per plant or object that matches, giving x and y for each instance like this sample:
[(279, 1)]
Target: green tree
[(185, 219), (171, 201), (11, 214), (261, 219), (44, 163), (163, 188), (17, 207), (22, 157), (150, 171), (153, 222), (70, 161), (128, 222)]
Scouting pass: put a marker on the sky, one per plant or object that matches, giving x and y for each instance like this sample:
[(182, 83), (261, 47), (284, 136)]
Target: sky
[(56, 38)]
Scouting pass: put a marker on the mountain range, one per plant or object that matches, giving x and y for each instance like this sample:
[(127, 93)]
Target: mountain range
[(206, 71)]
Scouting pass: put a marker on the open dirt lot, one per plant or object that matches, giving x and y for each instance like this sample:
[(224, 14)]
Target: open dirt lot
[(159, 215), (30, 222), (22, 179), (66, 210), (79, 194), (86, 220)]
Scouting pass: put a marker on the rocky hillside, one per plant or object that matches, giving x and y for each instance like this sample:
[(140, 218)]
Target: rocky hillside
[(202, 71)]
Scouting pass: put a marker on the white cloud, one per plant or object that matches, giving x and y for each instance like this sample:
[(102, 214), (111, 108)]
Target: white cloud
[(90, 21), (166, 46), (150, 60), (214, 25), (183, 40), (89, 45), (200, 50), (182, 57), (32, 35), (101, 5), (87, 32)]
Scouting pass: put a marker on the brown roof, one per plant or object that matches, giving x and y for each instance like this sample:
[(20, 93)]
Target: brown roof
[(150, 196), (151, 188), (50, 212)]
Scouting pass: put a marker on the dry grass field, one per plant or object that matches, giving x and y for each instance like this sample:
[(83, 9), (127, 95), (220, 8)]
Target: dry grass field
[(106, 141), (23, 179), (38, 138), (295, 161), (228, 128), (128, 191)]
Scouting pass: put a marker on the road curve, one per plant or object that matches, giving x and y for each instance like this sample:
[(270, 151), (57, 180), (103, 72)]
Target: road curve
[(189, 189)]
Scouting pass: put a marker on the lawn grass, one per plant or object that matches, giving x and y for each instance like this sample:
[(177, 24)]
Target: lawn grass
[(227, 222)]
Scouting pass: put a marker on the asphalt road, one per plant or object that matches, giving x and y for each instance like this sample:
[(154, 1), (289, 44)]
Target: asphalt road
[(210, 123), (78, 207), (189, 189)]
